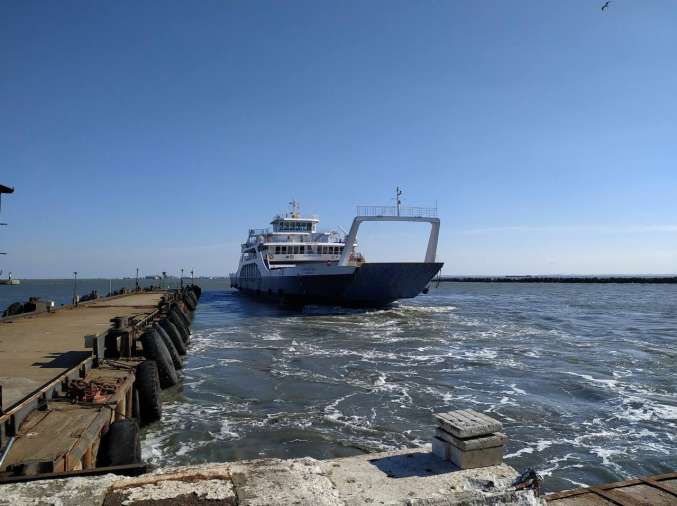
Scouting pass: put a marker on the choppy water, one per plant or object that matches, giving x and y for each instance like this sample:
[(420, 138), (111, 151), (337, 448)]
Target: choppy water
[(584, 378)]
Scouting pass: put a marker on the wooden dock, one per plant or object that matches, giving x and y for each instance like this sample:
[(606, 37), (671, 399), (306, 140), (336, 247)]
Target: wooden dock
[(658, 490)]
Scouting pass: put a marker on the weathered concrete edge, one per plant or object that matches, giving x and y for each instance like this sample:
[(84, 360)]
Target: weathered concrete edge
[(275, 481)]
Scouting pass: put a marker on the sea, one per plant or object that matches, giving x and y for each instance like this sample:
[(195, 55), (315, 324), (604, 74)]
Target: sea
[(582, 376)]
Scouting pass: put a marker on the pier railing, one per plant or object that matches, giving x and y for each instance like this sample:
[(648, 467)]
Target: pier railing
[(409, 212)]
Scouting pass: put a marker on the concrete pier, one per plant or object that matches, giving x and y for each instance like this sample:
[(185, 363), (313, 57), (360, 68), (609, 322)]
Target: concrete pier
[(36, 348), (76, 382), (403, 477)]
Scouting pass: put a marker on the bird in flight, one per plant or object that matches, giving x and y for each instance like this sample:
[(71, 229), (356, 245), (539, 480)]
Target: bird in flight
[(605, 6)]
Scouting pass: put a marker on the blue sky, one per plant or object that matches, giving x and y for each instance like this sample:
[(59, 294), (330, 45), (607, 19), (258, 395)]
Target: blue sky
[(154, 134)]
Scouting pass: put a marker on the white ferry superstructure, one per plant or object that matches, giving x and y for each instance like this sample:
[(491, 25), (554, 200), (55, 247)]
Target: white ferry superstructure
[(295, 263)]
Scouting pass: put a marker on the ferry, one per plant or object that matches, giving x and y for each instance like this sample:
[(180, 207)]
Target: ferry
[(294, 263)]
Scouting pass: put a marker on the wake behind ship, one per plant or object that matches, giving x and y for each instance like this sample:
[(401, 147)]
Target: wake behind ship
[(295, 264)]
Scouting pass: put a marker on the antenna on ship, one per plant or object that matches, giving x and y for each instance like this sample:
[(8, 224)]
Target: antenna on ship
[(295, 209), (398, 193)]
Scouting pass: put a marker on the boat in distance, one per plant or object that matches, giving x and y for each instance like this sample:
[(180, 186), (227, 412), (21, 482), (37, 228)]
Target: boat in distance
[(296, 264)]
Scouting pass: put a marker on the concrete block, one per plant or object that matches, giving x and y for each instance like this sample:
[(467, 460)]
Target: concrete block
[(476, 458), (417, 477), (467, 423), (441, 448), (474, 443)]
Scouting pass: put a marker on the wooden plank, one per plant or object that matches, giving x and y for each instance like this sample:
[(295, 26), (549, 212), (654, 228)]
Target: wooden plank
[(611, 497), (53, 436), (644, 494), (659, 486), (655, 490), (126, 470), (585, 499), (67, 431)]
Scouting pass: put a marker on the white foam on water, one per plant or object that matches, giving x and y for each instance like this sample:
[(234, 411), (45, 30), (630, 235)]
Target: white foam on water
[(390, 367), (380, 380), (521, 451), (608, 383)]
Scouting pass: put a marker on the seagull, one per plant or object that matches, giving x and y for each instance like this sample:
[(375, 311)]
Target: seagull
[(605, 6)]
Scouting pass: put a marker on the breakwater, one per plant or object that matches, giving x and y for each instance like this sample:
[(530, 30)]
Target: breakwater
[(556, 279)]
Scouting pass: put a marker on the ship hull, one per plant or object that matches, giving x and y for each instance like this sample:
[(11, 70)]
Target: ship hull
[(369, 285)]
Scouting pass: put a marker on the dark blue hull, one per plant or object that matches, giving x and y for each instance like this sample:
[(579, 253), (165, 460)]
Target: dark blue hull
[(370, 285)]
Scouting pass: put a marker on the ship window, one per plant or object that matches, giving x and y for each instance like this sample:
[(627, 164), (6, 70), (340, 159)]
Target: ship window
[(302, 249), (296, 250), (277, 250)]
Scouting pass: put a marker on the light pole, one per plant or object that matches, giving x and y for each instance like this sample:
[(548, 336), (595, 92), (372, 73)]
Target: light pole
[(192, 280), (137, 279), (75, 288), (181, 279)]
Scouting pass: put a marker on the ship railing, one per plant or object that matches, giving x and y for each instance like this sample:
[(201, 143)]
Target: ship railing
[(258, 231), (408, 212), (302, 239)]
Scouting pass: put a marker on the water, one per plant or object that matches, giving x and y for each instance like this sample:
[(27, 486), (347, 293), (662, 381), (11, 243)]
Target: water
[(584, 378), (61, 290)]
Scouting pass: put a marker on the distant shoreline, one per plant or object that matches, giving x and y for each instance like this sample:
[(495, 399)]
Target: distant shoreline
[(556, 279)]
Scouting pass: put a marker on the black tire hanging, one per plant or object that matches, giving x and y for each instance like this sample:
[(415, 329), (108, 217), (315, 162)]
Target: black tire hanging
[(186, 312), (183, 315), (174, 335), (173, 352), (136, 404), (147, 385), (196, 290), (154, 349), (120, 445), (189, 301), (178, 323)]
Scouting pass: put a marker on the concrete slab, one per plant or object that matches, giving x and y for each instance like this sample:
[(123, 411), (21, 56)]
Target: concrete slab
[(273, 481), (67, 492), (474, 459), (418, 477), (412, 477), (467, 423), (476, 443)]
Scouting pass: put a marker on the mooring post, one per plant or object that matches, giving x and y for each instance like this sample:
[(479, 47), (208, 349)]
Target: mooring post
[(1, 411), (75, 288)]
